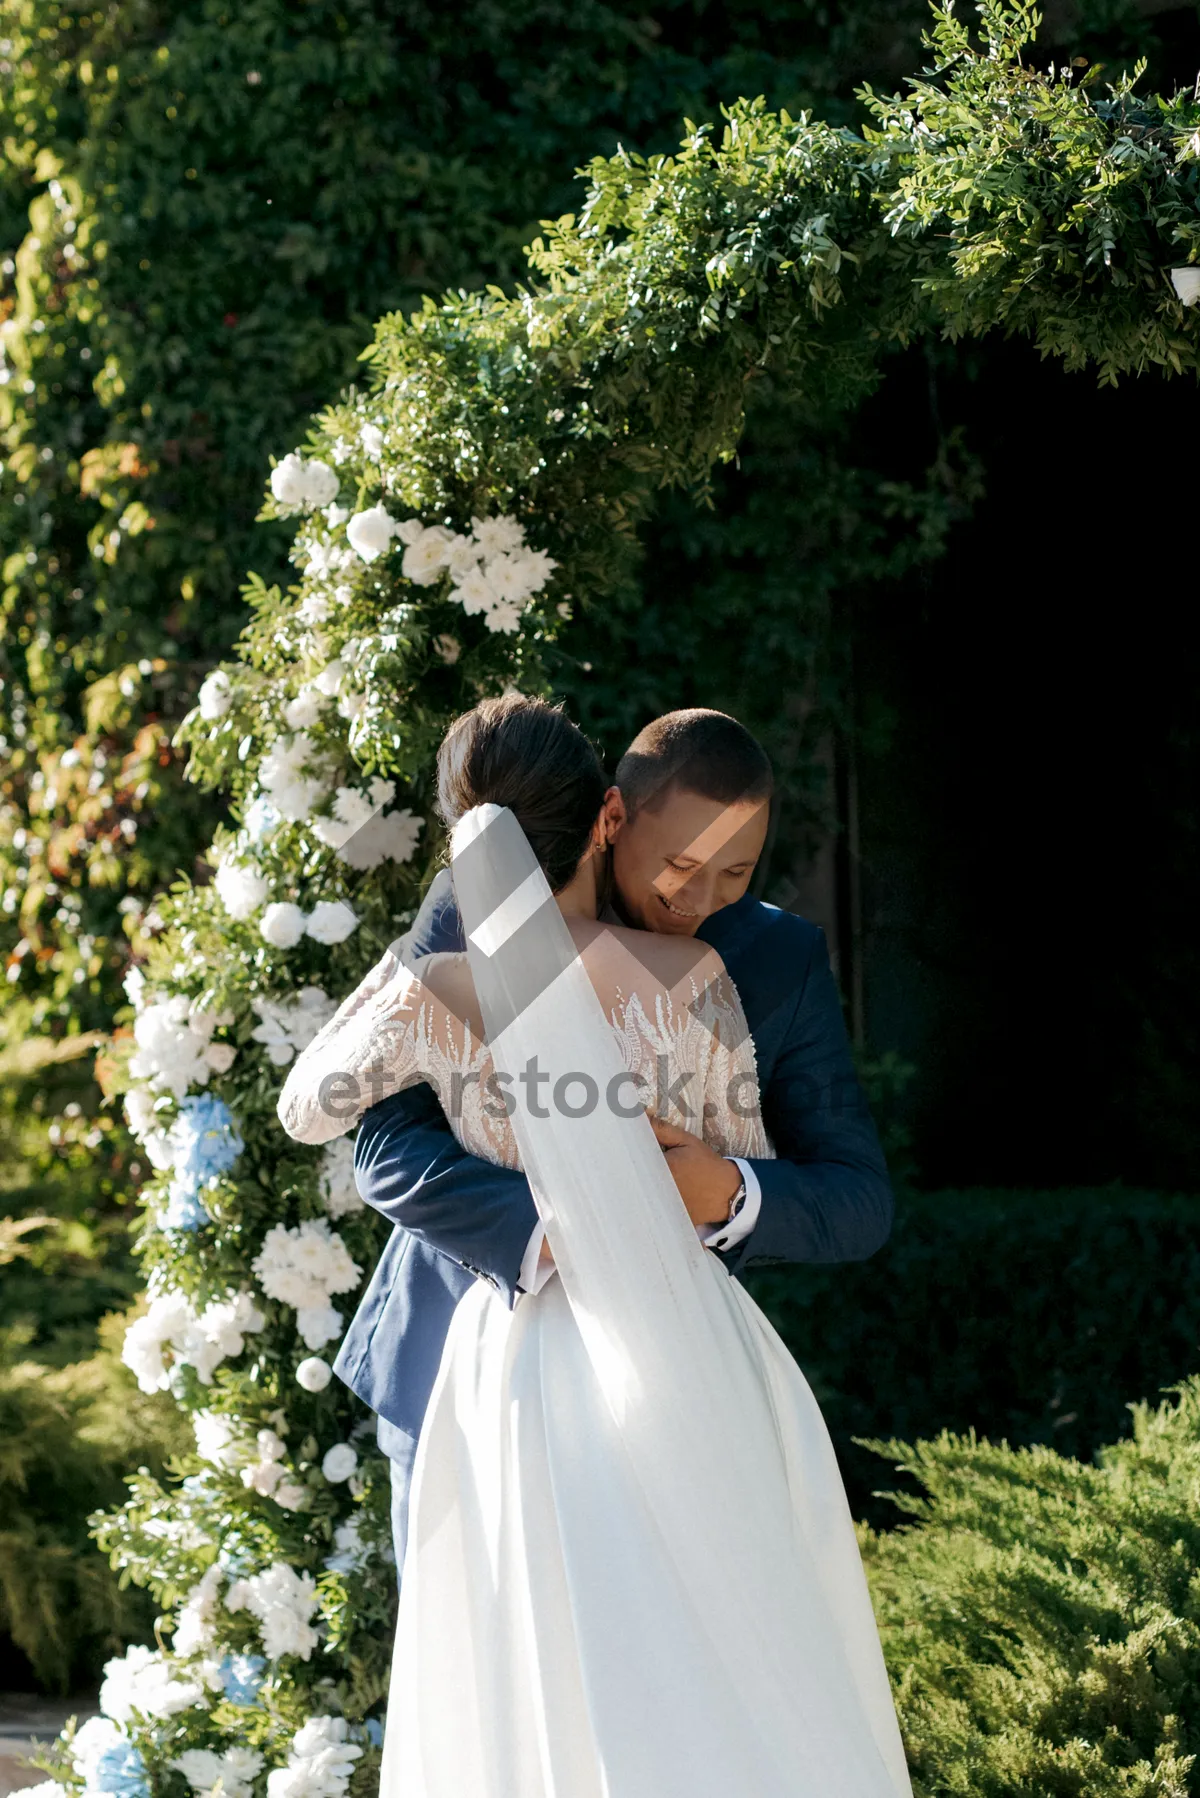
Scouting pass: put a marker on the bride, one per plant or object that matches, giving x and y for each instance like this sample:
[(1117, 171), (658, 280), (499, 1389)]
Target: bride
[(631, 1568)]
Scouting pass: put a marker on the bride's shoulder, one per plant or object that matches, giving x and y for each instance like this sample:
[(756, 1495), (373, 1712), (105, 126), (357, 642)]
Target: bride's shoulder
[(446, 977)]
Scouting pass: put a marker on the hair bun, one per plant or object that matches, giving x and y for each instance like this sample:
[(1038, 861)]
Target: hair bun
[(527, 755)]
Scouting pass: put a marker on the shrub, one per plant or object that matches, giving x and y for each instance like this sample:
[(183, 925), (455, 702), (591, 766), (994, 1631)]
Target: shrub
[(1041, 1618), (1033, 1317)]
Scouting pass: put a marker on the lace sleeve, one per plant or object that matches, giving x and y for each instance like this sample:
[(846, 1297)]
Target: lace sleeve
[(366, 1052), (733, 1122)]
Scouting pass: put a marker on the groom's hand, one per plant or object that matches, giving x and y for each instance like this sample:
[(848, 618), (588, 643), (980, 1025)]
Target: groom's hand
[(706, 1181)]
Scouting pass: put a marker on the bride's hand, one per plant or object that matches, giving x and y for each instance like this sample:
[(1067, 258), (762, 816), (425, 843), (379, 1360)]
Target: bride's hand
[(706, 1181)]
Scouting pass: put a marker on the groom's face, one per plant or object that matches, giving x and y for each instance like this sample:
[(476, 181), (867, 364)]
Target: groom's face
[(682, 859)]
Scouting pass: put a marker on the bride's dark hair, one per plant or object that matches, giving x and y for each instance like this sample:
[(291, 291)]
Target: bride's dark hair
[(525, 754)]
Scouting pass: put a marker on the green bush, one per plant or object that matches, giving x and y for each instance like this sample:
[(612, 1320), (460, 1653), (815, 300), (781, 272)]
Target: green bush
[(1041, 1618), (1032, 1317), (68, 1437)]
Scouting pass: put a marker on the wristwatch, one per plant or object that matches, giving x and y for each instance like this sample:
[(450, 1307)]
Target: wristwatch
[(737, 1201)]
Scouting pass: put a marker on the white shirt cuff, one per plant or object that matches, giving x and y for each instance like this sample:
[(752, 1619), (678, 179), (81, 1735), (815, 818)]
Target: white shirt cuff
[(726, 1236), (534, 1271)]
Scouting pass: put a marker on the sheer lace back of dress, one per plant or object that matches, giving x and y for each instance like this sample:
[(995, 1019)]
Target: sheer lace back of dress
[(676, 1054), (688, 1051)]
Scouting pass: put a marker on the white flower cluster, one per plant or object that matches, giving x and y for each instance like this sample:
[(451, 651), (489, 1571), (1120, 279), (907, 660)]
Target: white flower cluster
[(174, 1046), (296, 776), (217, 1439), (284, 923), (283, 1601), (212, 1775), (289, 1025), (144, 1115), (324, 562), (215, 696), (304, 1267), (94, 1741), (195, 1630), (200, 1339), (241, 887), (492, 569), (319, 1763), (269, 1476), (295, 482), (338, 1188), (351, 1554), (362, 834), (142, 1680)]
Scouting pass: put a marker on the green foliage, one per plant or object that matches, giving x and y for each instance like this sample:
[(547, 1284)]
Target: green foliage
[(1040, 1616), (67, 1437), (1029, 1316)]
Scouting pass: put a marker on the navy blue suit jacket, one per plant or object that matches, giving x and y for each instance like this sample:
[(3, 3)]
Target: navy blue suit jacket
[(457, 1218)]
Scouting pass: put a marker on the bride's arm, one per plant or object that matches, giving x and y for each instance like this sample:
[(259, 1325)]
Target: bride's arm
[(364, 1054)]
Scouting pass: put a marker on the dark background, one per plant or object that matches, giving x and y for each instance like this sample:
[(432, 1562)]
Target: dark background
[(1031, 857)]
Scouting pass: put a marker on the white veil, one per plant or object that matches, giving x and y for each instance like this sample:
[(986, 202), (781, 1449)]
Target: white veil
[(696, 1418)]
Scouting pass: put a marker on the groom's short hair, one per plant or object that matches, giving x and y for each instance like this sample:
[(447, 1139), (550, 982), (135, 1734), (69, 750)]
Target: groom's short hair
[(701, 751)]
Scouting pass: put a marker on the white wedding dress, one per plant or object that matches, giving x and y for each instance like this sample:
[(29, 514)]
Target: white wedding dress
[(631, 1567)]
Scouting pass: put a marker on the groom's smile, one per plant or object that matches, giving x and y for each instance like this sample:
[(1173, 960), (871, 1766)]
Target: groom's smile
[(682, 857)]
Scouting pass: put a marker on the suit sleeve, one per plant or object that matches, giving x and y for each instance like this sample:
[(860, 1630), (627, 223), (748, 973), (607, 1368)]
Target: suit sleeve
[(827, 1197), (412, 1169)]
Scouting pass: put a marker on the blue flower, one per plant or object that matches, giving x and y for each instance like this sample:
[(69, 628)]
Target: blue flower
[(206, 1145), (185, 1209), (241, 1675), (121, 1773), (374, 1729)]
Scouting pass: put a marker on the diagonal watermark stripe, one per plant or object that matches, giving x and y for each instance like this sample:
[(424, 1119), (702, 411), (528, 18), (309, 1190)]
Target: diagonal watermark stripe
[(701, 849), (521, 905)]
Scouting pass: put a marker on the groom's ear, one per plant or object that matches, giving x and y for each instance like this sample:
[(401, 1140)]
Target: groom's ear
[(614, 812)]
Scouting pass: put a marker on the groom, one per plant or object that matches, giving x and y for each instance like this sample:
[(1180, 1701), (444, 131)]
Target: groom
[(687, 818)]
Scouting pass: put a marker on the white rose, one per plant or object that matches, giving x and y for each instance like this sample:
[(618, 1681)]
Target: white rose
[(408, 530), (330, 678), (220, 1057), (318, 1324), (370, 533), (303, 711), (339, 1463), (288, 482), (330, 921), (320, 484), (291, 1495), (314, 1374), (240, 889), (1186, 282), (427, 555), (282, 925), (372, 441), (216, 695), (140, 1111)]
